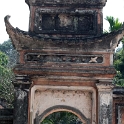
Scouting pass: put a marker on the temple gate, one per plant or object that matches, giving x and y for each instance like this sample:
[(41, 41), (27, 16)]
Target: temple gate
[(65, 62)]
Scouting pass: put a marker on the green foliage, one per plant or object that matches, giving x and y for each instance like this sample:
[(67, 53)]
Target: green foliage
[(61, 118), (7, 48), (7, 61), (114, 23), (3, 59), (119, 55), (119, 65), (119, 79), (6, 87)]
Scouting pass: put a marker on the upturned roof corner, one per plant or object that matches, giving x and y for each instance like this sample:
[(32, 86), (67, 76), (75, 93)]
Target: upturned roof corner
[(27, 40)]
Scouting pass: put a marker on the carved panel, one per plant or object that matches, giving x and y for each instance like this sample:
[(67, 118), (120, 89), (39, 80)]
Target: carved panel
[(63, 21), (42, 58)]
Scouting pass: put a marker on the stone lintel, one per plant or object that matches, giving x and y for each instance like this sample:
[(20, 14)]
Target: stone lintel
[(65, 70)]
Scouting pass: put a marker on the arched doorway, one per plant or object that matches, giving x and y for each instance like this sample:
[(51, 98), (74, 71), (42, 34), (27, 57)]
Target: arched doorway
[(61, 115), (46, 100)]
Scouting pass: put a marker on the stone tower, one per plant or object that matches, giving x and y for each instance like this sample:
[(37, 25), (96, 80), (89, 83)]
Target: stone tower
[(65, 62)]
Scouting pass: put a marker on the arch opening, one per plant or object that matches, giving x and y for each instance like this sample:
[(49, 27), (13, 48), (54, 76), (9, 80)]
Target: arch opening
[(61, 115)]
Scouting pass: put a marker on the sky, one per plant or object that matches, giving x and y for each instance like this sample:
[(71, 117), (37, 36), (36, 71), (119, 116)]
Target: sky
[(19, 12)]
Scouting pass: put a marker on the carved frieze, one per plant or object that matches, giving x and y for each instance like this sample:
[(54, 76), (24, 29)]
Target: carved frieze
[(65, 21), (61, 58)]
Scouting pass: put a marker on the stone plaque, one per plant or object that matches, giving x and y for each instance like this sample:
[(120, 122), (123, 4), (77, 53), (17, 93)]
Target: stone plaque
[(61, 21)]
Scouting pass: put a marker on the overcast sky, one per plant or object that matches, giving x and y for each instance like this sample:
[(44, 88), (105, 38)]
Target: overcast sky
[(19, 12)]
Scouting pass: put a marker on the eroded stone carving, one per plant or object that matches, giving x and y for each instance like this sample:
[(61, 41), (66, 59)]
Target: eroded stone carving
[(41, 58)]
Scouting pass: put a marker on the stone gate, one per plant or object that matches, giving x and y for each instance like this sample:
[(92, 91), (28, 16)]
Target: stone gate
[(65, 62)]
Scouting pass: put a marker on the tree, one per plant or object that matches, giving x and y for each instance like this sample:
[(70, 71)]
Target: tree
[(119, 55), (119, 65), (7, 48), (6, 87), (8, 58), (114, 23)]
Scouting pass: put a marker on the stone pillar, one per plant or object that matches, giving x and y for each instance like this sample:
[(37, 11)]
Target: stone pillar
[(21, 85), (105, 101)]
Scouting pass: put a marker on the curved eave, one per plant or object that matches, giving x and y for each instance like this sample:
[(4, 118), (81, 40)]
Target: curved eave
[(25, 40), (27, 1)]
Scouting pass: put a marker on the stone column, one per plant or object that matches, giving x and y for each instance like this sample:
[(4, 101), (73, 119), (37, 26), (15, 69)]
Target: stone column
[(105, 101), (21, 85)]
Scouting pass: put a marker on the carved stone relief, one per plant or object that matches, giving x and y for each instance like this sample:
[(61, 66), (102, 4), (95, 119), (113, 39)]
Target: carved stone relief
[(42, 58)]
